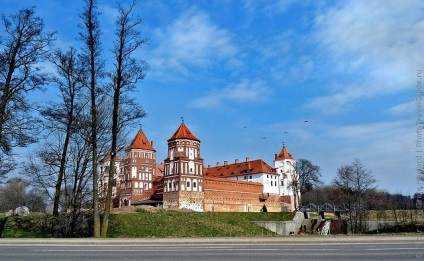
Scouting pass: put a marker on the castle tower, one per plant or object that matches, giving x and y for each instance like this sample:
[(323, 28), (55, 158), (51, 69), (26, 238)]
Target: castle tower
[(183, 172), (285, 165), (104, 177), (139, 166)]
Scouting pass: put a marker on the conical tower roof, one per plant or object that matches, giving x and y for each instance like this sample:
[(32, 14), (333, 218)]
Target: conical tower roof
[(183, 132), (284, 154), (140, 141)]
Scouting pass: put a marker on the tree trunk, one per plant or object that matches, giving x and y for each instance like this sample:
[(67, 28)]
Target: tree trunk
[(115, 131)]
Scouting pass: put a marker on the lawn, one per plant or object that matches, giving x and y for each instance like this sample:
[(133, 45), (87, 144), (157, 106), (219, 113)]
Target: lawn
[(161, 223)]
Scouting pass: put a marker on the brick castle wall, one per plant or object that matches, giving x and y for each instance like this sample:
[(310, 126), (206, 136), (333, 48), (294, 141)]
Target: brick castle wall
[(237, 196)]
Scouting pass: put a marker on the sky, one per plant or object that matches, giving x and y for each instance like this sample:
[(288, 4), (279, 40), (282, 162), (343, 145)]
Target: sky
[(334, 81)]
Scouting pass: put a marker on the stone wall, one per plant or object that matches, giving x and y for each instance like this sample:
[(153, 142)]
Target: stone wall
[(284, 228), (191, 200), (224, 195), (171, 199)]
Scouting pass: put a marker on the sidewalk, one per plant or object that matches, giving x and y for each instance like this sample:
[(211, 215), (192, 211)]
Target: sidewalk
[(214, 240)]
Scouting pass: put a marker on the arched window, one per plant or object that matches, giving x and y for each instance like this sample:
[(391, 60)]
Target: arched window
[(188, 184), (194, 184)]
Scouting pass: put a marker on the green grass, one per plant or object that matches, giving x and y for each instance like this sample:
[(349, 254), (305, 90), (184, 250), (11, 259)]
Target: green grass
[(403, 216), (159, 224), (32, 226), (192, 224)]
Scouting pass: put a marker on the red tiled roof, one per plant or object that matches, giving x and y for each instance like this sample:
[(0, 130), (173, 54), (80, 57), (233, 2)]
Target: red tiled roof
[(239, 169), (183, 133), (159, 169), (140, 141), (158, 179), (284, 154)]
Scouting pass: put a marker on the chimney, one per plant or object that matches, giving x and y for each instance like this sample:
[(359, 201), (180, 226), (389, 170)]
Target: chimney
[(275, 156), (209, 166), (236, 161), (225, 163), (151, 143), (247, 159), (217, 164)]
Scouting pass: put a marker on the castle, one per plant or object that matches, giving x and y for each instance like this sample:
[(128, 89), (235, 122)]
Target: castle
[(183, 181)]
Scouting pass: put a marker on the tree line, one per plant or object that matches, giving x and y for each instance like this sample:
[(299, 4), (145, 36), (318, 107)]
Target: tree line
[(91, 114), (355, 187)]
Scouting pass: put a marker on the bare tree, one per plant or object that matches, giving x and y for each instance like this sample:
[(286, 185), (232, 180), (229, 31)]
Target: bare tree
[(355, 181), (75, 191), (127, 73), (16, 193), (90, 34), (24, 45), (7, 165), (305, 178), (62, 115), (13, 194)]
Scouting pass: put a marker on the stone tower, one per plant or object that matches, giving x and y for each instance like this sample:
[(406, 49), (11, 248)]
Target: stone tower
[(285, 165), (139, 166), (183, 172)]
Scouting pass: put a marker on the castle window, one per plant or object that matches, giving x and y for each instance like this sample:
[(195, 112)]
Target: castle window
[(194, 184), (188, 184)]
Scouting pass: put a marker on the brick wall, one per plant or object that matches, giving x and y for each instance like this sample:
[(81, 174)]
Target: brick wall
[(171, 199), (224, 195), (238, 196)]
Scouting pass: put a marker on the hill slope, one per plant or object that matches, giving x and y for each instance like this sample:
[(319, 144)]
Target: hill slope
[(161, 223)]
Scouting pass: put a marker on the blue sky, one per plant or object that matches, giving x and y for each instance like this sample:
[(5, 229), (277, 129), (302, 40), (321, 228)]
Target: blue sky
[(247, 74)]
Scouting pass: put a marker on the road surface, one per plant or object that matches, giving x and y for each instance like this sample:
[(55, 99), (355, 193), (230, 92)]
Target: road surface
[(235, 249)]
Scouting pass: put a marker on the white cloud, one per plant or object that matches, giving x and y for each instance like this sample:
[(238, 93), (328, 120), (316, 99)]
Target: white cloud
[(243, 92), (190, 41), (338, 101), (387, 148), (378, 42), (407, 108)]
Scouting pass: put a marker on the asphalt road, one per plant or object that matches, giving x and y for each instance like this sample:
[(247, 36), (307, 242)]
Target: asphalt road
[(235, 249)]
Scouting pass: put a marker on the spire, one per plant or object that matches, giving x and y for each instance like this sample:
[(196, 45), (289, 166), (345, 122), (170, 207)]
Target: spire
[(140, 141), (284, 154), (183, 133)]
